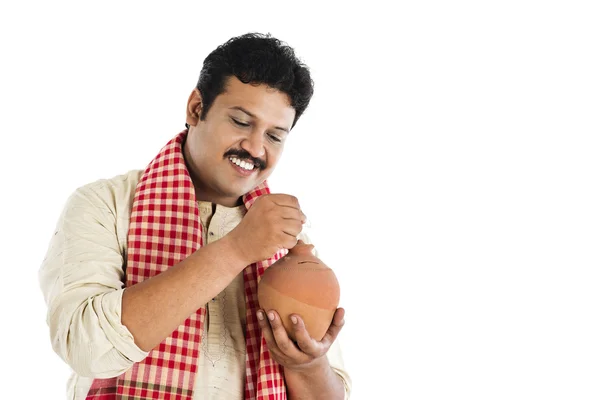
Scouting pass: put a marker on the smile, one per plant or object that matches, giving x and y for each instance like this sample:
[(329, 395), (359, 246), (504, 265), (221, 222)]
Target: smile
[(244, 165)]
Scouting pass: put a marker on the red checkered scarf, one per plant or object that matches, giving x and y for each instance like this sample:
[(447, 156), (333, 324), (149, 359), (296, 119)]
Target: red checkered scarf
[(165, 229)]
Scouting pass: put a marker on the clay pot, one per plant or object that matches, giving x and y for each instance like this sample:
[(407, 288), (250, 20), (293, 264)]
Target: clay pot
[(300, 283)]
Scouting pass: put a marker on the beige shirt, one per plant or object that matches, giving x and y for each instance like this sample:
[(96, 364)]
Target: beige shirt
[(82, 281)]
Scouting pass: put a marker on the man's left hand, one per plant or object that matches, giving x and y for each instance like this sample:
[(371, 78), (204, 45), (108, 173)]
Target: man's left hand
[(306, 352)]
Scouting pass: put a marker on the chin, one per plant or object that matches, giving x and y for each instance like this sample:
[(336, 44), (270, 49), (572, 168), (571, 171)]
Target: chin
[(237, 192), (249, 185), (244, 186)]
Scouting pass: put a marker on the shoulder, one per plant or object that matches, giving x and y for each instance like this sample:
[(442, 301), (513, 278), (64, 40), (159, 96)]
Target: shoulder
[(105, 198), (101, 209), (110, 192), (118, 185)]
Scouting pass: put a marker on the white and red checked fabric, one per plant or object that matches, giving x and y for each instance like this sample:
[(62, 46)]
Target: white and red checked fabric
[(165, 229)]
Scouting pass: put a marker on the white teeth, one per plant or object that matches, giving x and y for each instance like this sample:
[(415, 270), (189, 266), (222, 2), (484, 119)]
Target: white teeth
[(246, 165)]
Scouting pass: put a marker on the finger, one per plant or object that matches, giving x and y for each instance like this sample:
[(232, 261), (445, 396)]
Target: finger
[(285, 200), (284, 343), (288, 241), (265, 327), (305, 342), (292, 228), (292, 214), (336, 326)]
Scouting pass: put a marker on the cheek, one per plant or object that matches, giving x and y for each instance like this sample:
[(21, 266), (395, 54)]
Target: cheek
[(213, 144), (274, 156), (225, 138)]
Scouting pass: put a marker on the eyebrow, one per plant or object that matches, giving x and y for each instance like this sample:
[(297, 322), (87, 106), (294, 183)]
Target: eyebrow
[(242, 109)]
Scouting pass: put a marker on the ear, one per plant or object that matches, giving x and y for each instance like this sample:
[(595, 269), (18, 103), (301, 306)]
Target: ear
[(194, 107)]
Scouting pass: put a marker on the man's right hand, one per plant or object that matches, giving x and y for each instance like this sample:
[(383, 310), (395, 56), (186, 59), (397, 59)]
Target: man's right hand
[(271, 224)]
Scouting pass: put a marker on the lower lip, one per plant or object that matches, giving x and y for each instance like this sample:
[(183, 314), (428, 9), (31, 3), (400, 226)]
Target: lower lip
[(241, 170)]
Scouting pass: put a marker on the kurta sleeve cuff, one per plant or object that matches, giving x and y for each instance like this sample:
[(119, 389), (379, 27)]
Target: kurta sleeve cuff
[(101, 346), (116, 332)]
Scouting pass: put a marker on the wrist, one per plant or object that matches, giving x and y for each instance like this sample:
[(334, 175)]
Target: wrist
[(231, 247), (316, 367)]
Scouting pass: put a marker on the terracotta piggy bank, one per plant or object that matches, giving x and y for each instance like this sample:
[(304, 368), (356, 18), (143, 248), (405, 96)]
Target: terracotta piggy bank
[(302, 284)]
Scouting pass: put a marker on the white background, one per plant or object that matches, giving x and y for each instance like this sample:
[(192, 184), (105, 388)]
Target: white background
[(449, 164)]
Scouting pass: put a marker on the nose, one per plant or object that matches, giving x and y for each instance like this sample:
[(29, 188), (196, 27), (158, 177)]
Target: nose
[(254, 145)]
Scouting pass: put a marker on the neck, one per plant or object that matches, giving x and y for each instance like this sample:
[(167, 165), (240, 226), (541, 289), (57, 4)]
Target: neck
[(202, 195)]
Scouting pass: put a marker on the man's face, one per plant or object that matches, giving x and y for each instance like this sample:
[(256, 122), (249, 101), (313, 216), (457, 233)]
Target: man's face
[(239, 143)]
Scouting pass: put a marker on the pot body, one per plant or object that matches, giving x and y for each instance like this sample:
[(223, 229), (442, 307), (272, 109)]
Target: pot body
[(302, 284)]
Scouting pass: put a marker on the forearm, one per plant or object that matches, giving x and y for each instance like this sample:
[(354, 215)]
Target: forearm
[(154, 308), (314, 383)]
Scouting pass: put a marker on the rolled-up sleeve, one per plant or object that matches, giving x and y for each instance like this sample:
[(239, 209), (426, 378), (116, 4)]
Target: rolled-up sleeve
[(82, 282)]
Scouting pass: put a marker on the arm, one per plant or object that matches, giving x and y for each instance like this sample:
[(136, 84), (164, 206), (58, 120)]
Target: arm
[(82, 281), (164, 301)]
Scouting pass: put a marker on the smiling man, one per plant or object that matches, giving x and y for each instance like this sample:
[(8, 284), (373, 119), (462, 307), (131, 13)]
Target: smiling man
[(151, 277)]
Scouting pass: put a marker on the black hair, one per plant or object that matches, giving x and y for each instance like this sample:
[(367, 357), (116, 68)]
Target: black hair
[(256, 59)]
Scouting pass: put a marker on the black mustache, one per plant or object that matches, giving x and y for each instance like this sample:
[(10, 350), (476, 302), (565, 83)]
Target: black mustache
[(244, 155)]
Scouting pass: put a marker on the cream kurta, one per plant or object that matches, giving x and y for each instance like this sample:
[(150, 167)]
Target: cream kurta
[(82, 281)]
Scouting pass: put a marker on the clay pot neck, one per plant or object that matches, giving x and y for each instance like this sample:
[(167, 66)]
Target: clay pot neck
[(301, 249)]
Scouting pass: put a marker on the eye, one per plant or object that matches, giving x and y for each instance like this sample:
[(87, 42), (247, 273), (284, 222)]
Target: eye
[(274, 138), (239, 123)]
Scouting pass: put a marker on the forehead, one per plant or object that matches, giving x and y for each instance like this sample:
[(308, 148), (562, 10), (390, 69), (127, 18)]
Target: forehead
[(266, 103)]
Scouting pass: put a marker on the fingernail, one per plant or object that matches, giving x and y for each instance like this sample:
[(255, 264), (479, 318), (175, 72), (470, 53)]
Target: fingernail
[(294, 320), (271, 316), (260, 315)]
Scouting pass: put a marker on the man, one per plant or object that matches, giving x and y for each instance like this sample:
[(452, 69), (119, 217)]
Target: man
[(150, 278)]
